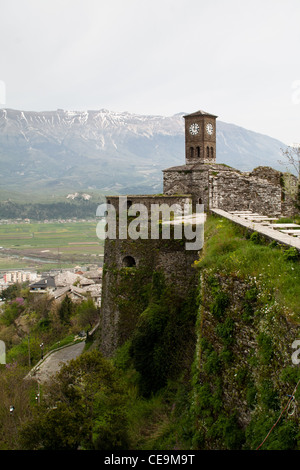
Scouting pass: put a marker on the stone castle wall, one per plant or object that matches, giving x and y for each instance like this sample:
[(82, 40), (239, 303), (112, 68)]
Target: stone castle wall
[(124, 288), (232, 191), (124, 285), (222, 187), (149, 200)]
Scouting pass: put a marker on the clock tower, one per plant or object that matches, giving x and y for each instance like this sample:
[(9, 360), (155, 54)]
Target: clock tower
[(200, 138)]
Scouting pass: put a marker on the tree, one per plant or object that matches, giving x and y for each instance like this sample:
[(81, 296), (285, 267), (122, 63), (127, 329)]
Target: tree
[(292, 179), (10, 313), (84, 407), (11, 292), (16, 392), (87, 313), (66, 309), (292, 159)]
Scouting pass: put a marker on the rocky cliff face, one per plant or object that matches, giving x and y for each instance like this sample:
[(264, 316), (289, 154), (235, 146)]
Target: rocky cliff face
[(244, 367)]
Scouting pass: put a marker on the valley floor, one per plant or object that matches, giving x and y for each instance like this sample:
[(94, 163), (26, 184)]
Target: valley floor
[(49, 245)]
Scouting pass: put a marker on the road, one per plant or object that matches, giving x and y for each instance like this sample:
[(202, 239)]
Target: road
[(54, 361)]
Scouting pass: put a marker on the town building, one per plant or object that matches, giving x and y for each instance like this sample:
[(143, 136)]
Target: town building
[(12, 277)]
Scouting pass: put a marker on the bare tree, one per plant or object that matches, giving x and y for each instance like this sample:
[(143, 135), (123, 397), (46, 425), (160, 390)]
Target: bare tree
[(292, 178), (292, 159)]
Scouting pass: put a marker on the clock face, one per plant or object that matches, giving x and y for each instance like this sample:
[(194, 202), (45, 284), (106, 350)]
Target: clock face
[(194, 129), (209, 128)]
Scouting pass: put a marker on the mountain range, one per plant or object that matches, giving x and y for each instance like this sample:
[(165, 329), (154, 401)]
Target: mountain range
[(58, 152)]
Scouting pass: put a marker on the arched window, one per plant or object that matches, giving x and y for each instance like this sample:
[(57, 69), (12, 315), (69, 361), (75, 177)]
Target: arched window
[(207, 152), (198, 152), (129, 204), (211, 152), (192, 152), (200, 200), (128, 262)]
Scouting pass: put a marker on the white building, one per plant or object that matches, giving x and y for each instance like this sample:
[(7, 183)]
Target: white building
[(11, 277)]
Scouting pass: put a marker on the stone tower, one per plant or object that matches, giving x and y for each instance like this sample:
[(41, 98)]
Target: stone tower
[(217, 185), (132, 264), (200, 138)]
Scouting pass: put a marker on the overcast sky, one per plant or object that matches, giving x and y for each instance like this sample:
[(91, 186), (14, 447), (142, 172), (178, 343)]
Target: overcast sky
[(238, 59)]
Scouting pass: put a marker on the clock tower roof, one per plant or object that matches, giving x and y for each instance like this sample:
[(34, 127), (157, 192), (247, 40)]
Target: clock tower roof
[(200, 113)]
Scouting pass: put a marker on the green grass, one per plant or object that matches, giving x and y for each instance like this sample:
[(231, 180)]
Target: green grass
[(70, 242), (67, 341), (288, 220), (228, 250), (52, 234)]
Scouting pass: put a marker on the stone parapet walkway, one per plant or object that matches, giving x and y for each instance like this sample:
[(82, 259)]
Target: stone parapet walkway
[(261, 224)]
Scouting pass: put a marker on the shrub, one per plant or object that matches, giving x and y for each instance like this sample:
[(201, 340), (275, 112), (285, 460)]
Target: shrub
[(220, 304), (89, 414), (265, 345), (156, 344), (273, 244), (228, 431), (226, 331), (283, 437), (249, 304), (251, 395), (291, 254), (268, 395), (255, 238), (65, 310), (162, 343), (226, 356), (290, 375), (122, 357), (212, 363)]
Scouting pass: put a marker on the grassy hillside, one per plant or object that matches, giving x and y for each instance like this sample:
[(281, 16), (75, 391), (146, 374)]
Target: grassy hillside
[(248, 320), (275, 270)]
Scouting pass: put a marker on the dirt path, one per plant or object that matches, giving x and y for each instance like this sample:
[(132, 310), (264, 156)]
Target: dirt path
[(54, 361)]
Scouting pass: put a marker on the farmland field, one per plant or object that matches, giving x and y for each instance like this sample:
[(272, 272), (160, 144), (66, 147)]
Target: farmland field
[(56, 244)]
